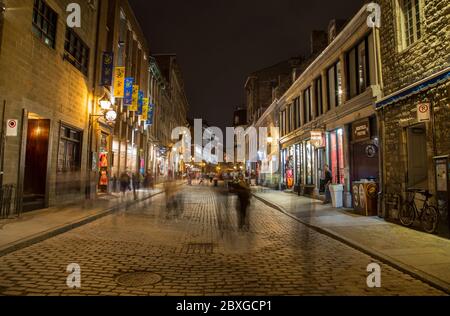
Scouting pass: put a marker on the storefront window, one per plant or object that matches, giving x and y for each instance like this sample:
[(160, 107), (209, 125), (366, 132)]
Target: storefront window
[(309, 163), (337, 155)]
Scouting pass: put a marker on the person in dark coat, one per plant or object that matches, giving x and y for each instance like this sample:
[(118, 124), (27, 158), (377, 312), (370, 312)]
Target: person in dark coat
[(328, 181)]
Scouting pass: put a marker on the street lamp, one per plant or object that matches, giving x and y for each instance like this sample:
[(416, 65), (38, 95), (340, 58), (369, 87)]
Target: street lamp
[(270, 140), (2, 7), (105, 103)]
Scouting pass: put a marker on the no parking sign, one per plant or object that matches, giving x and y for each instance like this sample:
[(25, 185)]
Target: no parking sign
[(423, 112), (11, 127)]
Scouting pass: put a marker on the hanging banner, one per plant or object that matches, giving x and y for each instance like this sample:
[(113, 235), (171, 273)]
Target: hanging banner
[(119, 81), (140, 102), (135, 99), (107, 69), (144, 110), (128, 98), (150, 114)]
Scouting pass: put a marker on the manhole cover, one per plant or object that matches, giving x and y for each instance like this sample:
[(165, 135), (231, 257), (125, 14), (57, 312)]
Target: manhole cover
[(138, 279)]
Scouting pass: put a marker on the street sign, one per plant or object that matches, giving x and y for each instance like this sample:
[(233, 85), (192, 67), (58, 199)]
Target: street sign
[(11, 127), (423, 112)]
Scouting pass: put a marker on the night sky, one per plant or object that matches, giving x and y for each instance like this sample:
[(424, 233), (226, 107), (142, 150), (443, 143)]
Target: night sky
[(220, 42)]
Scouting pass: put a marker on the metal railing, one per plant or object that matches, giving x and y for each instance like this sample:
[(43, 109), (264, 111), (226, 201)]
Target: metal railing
[(7, 200)]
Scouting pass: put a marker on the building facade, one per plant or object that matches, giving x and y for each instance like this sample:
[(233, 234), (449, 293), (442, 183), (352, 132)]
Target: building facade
[(415, 110), (327, 117), (46, 85), (65, 88)]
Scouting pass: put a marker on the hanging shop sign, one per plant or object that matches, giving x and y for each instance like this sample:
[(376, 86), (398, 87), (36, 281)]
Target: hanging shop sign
[(423, 112), (119, 82), (140, 102), (318, 139), (145, 109), (107, 69), (135, 99), (128, 91), (361, 130)]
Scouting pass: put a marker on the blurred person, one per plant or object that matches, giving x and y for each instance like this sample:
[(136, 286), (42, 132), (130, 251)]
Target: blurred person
[(328, 180), (124, 182)]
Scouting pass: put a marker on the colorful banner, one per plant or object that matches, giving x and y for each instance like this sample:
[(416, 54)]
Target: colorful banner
[(119, 81), (128, 98), (140, 102), (145, 110), (150, 114), (107, 69), (135, 99)]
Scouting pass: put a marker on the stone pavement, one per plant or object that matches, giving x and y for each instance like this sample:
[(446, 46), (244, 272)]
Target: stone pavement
[(35, 226), (198, 249), (423, 255)]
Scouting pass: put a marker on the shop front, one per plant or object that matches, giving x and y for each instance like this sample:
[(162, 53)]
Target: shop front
[(104, 165), (364, 171)]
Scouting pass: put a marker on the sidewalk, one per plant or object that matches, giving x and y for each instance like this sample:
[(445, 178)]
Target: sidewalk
[(422, 255), (33, 227)]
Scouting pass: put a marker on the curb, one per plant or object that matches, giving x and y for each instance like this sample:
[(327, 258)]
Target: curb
[(420, 275), (39, 237)]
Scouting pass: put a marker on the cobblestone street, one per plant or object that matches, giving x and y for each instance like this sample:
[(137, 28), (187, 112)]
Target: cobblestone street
[(197, 249)]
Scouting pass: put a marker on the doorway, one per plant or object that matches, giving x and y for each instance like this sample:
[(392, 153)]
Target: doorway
[(35, 172), (417, 157)]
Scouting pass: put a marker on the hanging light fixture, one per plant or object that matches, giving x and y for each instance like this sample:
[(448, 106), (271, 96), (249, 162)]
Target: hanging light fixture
[(105, 102)]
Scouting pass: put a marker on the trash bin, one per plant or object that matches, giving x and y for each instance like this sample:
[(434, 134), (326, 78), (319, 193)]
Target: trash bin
[(337, 193)]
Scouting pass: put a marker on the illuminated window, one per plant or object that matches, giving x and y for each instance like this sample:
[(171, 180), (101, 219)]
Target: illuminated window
[(44, 22)]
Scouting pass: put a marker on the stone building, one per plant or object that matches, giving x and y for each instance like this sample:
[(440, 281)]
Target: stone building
[(46, 83), (415, 109), (76, 130), (120, 147), (172, 111)]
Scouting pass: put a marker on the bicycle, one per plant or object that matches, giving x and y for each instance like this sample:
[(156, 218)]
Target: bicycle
[(428, 215)]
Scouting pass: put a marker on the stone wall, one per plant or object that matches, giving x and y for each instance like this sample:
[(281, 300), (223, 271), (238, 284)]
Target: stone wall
[(35, 77)]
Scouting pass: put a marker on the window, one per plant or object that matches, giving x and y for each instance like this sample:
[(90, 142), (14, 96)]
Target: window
[(69, 153), (44, 22), (76, 51), (318, 91), (359, 63), (297, 117), (334, 78), (307, 105), (410, 19)]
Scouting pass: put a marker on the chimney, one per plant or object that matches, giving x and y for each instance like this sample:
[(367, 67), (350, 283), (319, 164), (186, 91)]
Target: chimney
[(319, 40)]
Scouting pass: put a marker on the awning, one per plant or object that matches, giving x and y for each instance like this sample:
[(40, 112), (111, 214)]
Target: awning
[(417, 87)]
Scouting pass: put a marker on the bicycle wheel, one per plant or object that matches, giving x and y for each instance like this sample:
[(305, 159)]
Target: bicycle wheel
[(430, 218), (407, 215)]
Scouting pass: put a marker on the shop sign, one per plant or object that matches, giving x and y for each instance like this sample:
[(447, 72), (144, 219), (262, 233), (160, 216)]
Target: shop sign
[(318, 139), (423, 112), (361, 130)]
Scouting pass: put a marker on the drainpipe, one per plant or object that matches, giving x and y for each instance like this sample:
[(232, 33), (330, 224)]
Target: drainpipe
[(90, 118)]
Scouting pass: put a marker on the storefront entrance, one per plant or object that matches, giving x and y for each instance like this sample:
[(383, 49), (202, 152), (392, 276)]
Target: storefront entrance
[(36, 159)]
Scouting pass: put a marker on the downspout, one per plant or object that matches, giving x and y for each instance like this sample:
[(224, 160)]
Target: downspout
[(90, 121)]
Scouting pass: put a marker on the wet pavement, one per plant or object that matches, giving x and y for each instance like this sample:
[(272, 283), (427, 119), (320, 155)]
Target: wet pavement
[(197, 248)]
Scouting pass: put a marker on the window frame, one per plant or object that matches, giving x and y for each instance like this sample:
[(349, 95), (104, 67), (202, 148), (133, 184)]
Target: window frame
[(38, 30), (402, 23), (76, 57)]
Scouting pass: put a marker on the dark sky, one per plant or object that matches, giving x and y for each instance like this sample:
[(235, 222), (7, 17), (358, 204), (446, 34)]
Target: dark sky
[(219, 42)]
